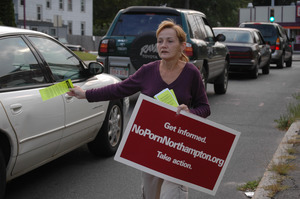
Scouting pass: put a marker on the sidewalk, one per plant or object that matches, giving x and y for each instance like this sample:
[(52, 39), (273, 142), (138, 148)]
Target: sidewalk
[(296, 56), (292, 180)]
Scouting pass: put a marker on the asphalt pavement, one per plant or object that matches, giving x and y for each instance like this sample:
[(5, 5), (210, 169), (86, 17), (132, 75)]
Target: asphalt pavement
[(292, 180)]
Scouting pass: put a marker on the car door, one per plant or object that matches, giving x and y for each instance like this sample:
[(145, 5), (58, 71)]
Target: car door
[(216, 56), (82, 119), (264, 50), (37, 124)]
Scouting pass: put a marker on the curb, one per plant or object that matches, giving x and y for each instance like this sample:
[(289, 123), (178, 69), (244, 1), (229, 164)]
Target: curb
[(269, 177)]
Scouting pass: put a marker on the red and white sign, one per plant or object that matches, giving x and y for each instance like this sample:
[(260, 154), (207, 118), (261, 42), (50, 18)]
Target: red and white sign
[(185, 148)]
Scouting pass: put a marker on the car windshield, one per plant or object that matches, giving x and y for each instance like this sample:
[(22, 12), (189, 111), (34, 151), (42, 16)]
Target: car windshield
[(236, 36), (134, 24)]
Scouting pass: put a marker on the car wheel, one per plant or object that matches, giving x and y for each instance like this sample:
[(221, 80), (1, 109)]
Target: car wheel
[(204, 77), (254, 72), (280, 62), (289, 62), (109, 137), (143, 49), (2, 174), (220, 85), (266, 68)]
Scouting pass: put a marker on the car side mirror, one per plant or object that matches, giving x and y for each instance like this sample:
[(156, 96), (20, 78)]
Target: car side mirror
[(221, 37), (95, 68)]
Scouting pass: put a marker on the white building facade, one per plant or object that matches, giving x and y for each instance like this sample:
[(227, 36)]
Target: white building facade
[(57, 18)]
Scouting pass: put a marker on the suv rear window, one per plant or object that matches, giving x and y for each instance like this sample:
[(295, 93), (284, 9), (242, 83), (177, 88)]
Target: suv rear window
[(269, 32), (134, 24)]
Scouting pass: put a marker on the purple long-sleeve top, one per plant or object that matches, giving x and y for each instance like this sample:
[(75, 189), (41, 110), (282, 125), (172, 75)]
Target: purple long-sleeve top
[(188, 87)]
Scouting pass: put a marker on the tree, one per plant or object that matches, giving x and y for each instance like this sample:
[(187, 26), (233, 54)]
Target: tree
[(7, 16), (218, 12), (276, 2)]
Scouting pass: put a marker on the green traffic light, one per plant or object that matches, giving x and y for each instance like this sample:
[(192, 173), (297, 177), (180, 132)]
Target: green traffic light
[(272, 19)]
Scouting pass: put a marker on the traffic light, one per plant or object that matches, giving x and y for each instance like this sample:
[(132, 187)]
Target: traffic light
[(272, 18)]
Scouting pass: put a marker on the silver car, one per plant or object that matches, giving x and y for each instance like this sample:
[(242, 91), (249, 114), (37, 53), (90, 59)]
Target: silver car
[(34, 132)]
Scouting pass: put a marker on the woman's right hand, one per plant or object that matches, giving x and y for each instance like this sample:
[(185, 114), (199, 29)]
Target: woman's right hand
[(77, 92)]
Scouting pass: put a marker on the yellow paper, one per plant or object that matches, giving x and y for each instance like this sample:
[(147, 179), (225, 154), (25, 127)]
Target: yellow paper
[(56, 90), (167, 96)]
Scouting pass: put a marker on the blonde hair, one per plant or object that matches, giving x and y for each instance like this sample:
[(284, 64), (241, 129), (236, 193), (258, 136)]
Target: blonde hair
[(179, 32)]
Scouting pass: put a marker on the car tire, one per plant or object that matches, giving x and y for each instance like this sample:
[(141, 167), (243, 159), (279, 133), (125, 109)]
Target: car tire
[(266, 68), (204, 77), (289, 62), (109, 136), (143, 49), (280, 62), (254, 72), (221, 83), (2, 175)]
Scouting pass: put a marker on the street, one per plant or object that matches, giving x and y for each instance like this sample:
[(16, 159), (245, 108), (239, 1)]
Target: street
[(249, 106)]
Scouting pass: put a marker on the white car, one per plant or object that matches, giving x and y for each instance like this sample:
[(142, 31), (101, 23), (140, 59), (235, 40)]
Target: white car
[(34, 132)]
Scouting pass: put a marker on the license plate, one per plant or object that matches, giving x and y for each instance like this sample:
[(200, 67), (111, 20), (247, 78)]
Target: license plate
[(119, 72)]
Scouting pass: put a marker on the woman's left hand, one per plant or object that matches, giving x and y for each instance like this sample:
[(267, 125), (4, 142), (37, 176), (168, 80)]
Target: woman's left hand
[(182, 107)]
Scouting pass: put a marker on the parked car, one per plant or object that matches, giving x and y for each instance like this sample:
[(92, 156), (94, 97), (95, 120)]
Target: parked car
[(34, 132), (248, 50), (276, 36), (72, 47), (131, 42)]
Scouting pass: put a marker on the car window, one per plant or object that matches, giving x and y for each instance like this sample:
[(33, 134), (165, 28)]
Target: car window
[(135, 23), (63, 64), (266, 30), (18, 66), (194, 23), (236, 36), (208, 30)]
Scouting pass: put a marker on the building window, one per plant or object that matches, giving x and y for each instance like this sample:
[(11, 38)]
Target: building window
[(70, 28), (53, 32), (22, 2), (69, 5), (48, 4), (82, 5), (39, 12), (82, 28), (61, 4)]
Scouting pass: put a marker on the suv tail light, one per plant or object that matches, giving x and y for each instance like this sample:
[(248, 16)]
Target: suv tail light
[(107, 46), (103, 46), (188, 50), (277, 45)]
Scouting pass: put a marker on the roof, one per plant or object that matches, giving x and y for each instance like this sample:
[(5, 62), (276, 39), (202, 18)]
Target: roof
[(235, 28), (159, 9), (264, 23), (10, 30)]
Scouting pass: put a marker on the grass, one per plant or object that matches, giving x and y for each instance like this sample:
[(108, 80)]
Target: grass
[(282, 168), (275, 188), (249, 186), (85, 56), (293, 113)]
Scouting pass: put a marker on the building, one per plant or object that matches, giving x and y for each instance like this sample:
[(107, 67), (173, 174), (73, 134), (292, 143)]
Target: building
[(287, 16), (58, 18)]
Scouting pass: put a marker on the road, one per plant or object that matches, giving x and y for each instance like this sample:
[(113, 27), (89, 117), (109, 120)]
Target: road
[(249, 106)]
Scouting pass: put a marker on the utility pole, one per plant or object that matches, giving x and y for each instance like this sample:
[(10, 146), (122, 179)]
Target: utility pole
[(24, 14), (187, 4)]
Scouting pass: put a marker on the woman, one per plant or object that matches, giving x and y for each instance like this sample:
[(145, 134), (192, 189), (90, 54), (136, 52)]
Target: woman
[(174, 72)]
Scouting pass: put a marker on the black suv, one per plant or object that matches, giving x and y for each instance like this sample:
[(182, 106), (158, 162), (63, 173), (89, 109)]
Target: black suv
[(131, 42), (276, 36)]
